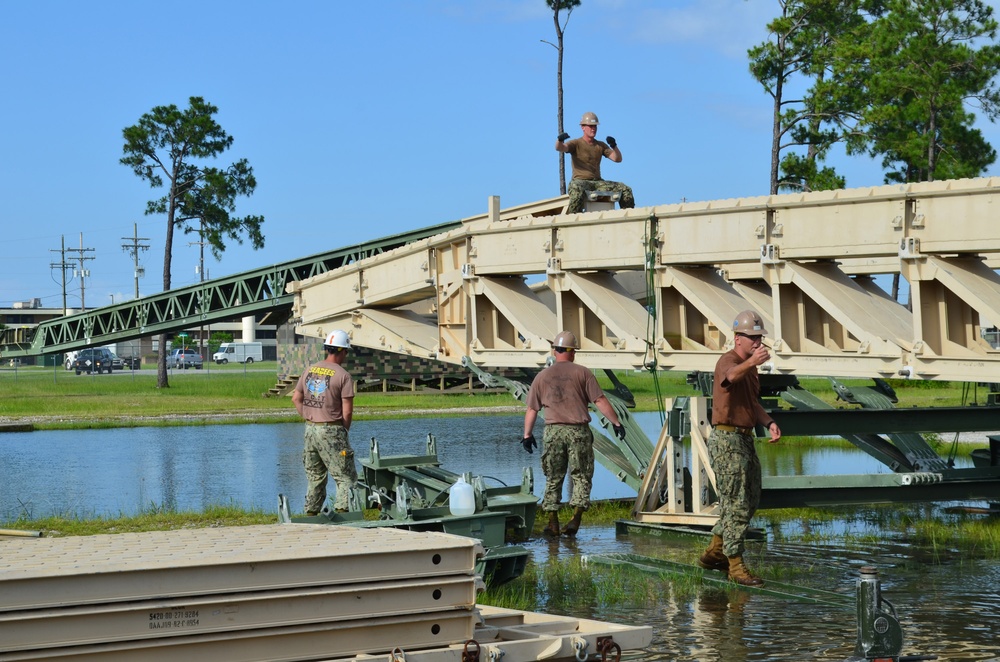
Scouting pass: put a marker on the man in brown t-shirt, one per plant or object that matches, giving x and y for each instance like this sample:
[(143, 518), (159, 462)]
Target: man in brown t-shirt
[(324, 397), (586, 153), (736, 410), (565, 390)]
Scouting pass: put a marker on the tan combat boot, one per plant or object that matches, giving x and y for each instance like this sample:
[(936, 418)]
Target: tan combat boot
[(738, 573), (574, 524), (714, 558), (552, 528)]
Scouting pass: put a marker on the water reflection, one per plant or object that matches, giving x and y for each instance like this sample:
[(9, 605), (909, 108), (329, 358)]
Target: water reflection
[(124, 471), (949, 607)]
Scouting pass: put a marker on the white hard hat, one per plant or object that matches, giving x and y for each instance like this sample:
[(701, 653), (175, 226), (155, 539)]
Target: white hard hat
[(337, 338)]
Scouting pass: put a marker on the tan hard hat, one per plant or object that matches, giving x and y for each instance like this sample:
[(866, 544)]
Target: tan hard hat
[(566, 340), (590, 119), (749, 323)]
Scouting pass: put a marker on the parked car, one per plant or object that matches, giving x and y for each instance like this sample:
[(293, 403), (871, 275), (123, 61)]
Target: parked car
[(184, 358), (125, 362), (96, 359)]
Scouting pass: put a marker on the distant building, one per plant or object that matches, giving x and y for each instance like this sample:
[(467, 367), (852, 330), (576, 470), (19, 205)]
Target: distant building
[(27, 314)]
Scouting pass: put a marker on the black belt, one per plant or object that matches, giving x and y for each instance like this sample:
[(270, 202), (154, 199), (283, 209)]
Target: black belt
[(733, 428)]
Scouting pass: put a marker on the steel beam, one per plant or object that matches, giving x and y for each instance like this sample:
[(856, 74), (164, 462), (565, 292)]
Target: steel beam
[(806, 262), (260, 292)]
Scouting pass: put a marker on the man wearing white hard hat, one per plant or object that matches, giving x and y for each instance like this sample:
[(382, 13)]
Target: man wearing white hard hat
[(324, 396)]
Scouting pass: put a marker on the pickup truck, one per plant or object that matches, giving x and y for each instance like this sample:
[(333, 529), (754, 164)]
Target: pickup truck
[(97, 359), (184, 358)]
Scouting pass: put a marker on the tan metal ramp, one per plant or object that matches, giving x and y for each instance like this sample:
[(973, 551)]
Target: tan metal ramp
[(264, 593), (78, 570), (806, 262), (151, 619)]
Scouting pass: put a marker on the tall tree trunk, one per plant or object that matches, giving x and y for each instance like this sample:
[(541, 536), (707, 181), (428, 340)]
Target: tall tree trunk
[(776, 137), (931, 146), (559, 96), (161, 354)]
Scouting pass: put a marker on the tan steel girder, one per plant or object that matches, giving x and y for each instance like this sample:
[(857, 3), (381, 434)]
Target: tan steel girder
[(660, 285)]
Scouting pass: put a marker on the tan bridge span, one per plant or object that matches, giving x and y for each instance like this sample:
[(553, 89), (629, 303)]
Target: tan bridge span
[(661, 285)]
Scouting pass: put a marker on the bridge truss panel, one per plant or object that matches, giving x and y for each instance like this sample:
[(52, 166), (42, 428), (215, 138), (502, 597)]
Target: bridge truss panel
[(260, 292), (660, 285)]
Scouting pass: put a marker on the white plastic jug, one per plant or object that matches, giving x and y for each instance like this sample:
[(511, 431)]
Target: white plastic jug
[(461, 498)]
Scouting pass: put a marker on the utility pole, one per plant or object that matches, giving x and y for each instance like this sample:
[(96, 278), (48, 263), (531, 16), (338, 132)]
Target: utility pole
[(133, 249), (82, 272), (62, 265), (201, 279)]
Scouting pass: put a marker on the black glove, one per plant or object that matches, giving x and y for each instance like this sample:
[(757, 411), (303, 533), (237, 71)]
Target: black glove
[(562, 137), (619, 431), (529, 443), (612, 143)]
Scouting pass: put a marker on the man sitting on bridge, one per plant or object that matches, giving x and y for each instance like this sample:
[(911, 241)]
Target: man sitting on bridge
[(587, 153)]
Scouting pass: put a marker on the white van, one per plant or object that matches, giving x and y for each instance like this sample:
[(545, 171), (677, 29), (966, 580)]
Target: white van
[(239, 352)]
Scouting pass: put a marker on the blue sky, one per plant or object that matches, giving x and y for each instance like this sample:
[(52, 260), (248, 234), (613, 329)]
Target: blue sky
[(361, 119)]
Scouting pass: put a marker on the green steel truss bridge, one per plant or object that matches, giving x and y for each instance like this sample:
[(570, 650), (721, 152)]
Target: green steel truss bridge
[(260, 292)]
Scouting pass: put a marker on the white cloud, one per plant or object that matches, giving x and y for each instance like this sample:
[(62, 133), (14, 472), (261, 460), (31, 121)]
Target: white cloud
[(728, 27)]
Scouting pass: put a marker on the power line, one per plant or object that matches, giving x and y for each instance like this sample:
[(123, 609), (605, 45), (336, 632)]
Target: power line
[(62, 265), (201, 279), (82, 271), (134, 249)]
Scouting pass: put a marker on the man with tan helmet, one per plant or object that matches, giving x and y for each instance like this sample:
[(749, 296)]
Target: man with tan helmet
[(586, 153), (324, 396), (736, 410), (565, 389)]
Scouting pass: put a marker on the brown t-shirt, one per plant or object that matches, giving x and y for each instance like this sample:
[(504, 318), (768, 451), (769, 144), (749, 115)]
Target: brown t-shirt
[(322, 389), (564, 389), (736, 403), (587, 157)]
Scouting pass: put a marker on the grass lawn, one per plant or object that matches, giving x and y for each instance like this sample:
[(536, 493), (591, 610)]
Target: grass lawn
[(56, 398)]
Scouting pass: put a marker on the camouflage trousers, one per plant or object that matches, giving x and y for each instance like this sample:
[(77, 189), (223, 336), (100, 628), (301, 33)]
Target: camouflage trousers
[(578, 188), (567, 447), (737, 481), (327, 450)]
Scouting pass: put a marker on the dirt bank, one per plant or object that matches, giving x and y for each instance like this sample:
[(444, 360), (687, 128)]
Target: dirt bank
[(246, 416)]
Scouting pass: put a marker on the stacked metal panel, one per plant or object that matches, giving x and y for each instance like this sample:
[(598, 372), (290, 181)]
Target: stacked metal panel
[(269, 592)]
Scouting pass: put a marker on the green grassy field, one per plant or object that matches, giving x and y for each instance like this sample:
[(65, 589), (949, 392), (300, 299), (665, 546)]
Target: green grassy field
[(56, 398)]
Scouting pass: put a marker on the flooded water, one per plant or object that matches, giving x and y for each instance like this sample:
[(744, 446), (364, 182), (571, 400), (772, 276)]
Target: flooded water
[(948, 604), (128, 470)]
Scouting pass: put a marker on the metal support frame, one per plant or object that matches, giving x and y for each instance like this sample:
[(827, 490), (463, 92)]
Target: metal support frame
[(495, 288), (678, 487)]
